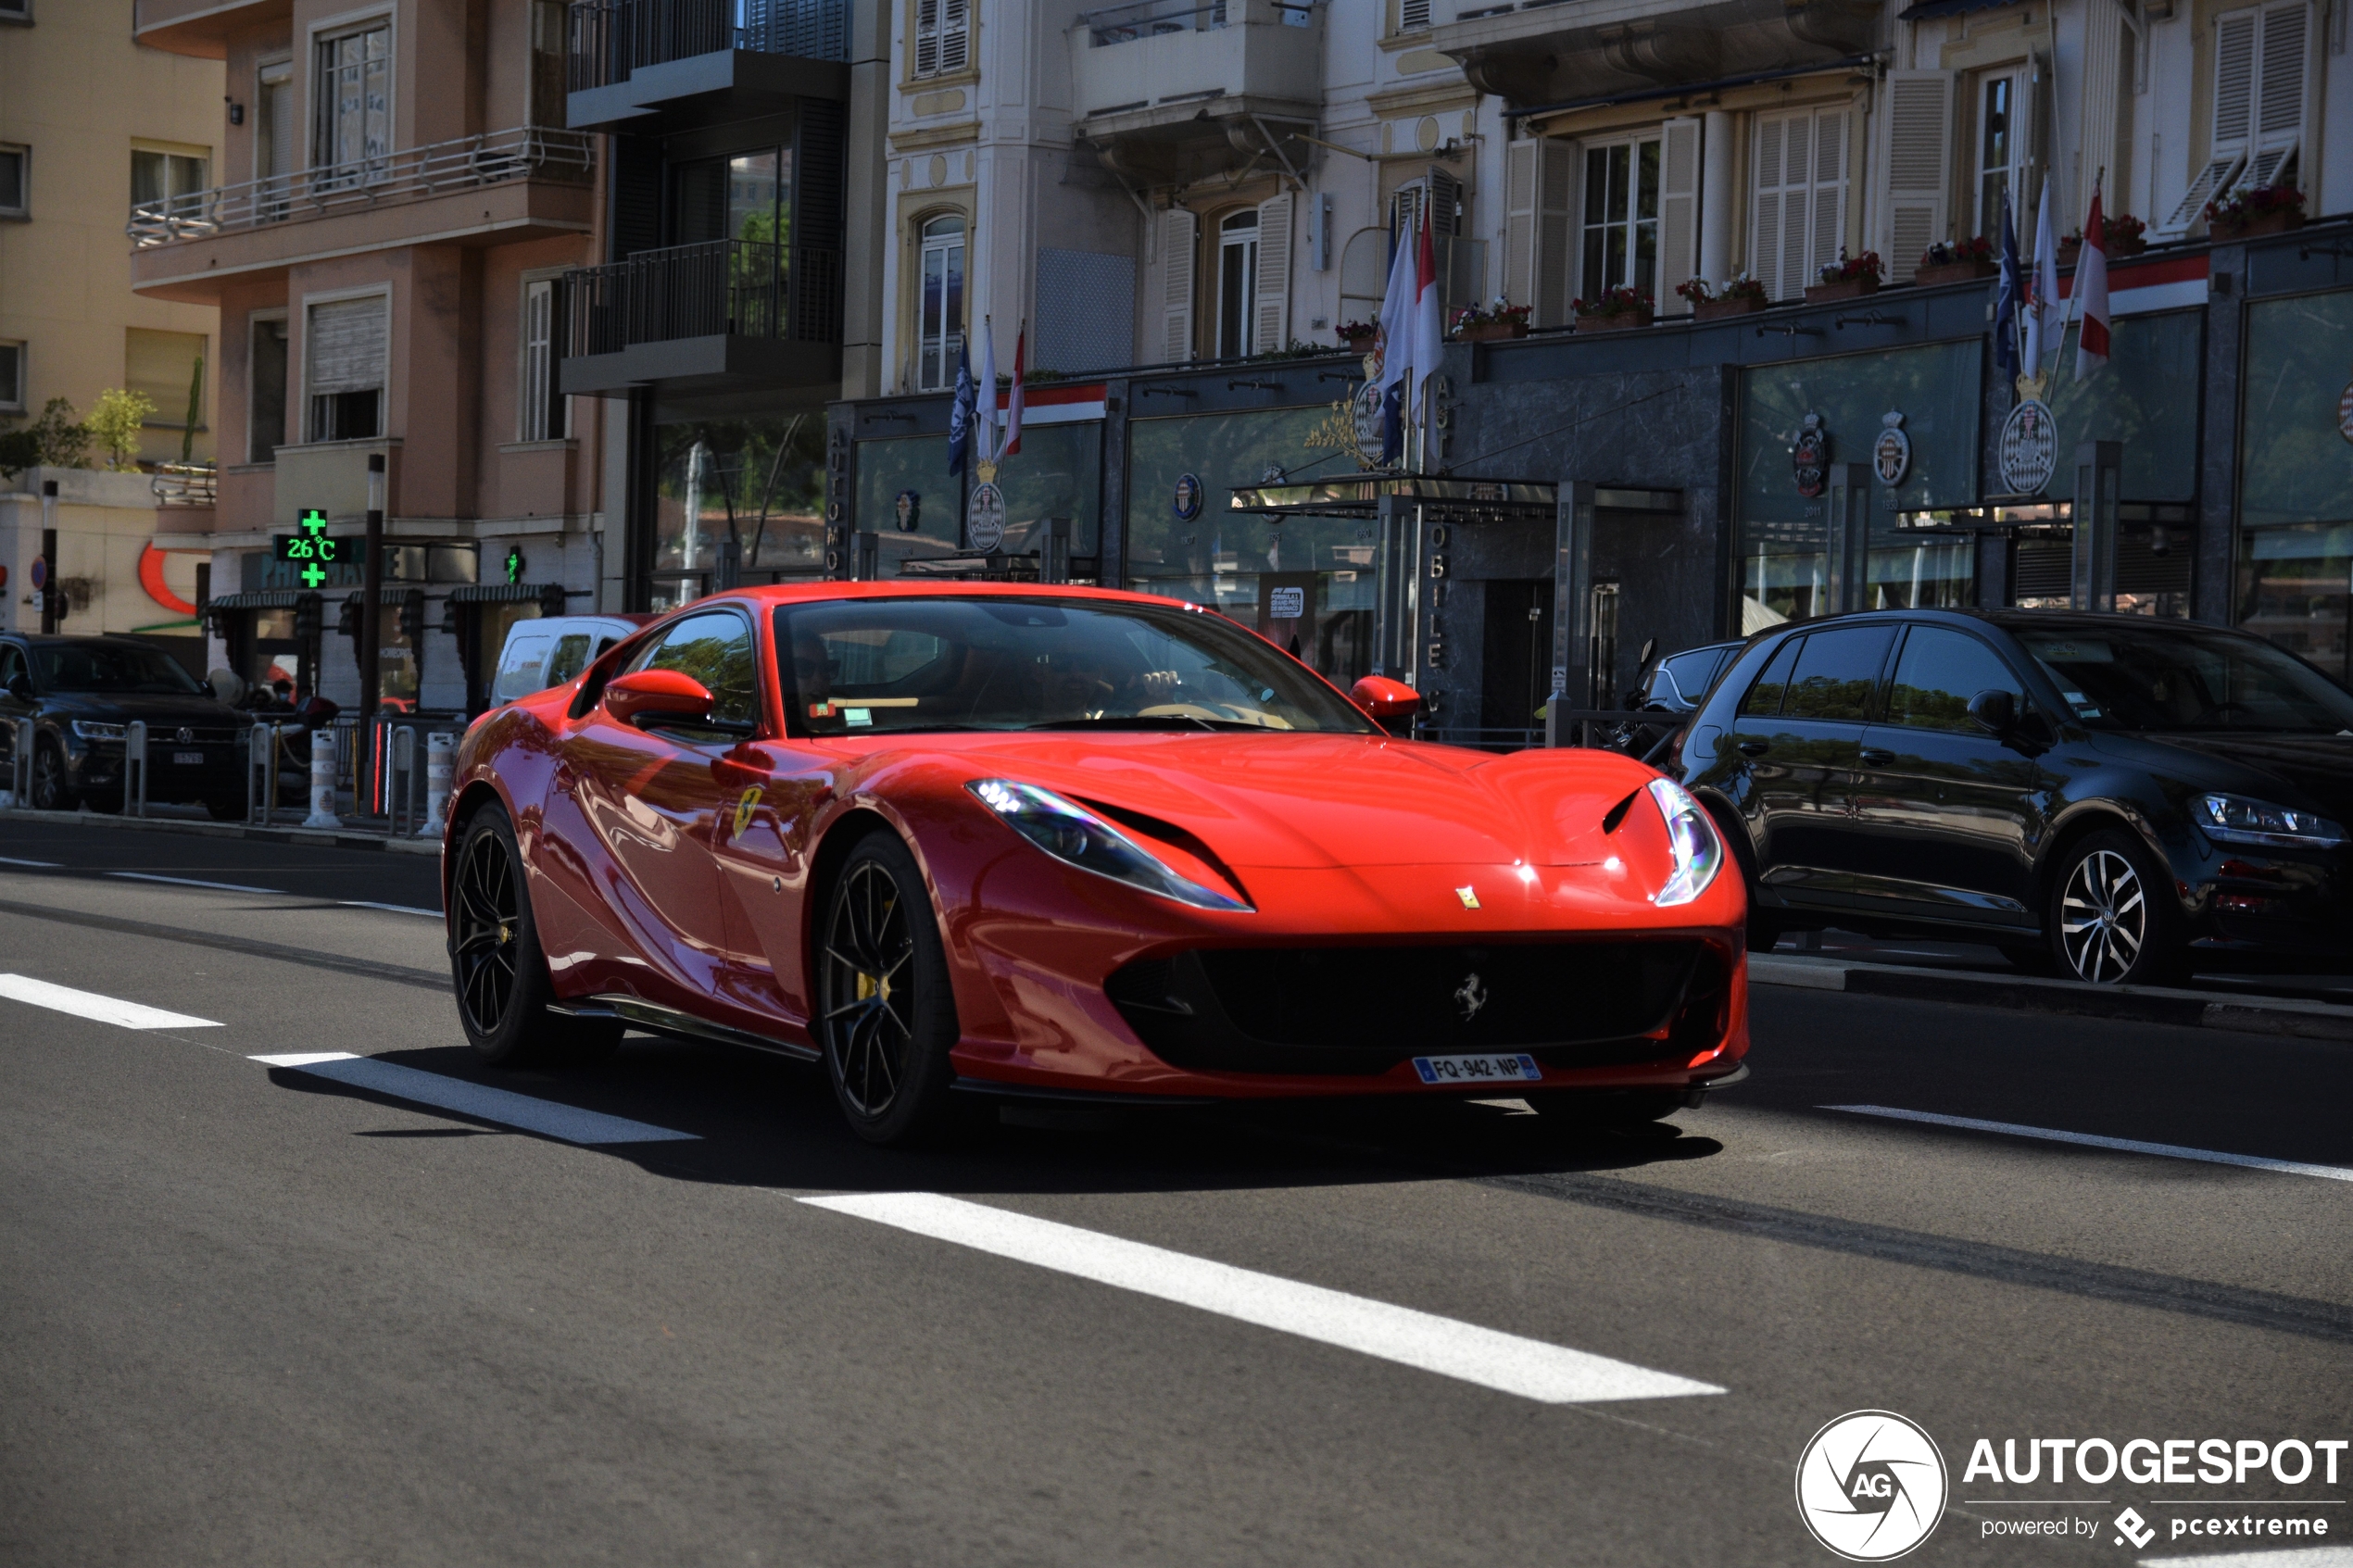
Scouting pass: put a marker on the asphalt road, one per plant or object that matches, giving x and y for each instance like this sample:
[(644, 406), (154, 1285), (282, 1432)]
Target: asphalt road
[(262, 1314)]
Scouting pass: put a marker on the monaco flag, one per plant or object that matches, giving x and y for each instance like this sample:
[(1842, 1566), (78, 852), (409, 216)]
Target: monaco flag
[(2091, 295)]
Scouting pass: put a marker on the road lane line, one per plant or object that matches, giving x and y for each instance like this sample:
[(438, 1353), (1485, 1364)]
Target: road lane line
[(89, 1004), (45, 865), (190, 882), (2128, 1146), (503, 1106), (1550, 1373), (392, 909)]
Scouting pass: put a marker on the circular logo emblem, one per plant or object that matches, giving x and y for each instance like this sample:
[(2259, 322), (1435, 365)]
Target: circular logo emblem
[(1371, 439), (1188, 497), (2345, 412), (2029, 448), (985, 522), (1891, 453), (1870, 1486), (1809, 457), (909, 508)]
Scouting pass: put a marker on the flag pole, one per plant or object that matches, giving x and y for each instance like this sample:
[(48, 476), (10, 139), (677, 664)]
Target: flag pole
[(2074, 284)]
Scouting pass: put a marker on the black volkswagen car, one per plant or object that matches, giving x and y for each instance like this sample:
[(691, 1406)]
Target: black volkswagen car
[(83, 695), (2122, 797)]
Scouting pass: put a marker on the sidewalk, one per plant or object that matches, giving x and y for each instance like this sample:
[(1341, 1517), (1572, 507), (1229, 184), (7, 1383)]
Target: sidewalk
[(347, 837)]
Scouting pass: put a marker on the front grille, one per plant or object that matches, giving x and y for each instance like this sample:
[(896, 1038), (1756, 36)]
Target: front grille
[(1361, 1010)]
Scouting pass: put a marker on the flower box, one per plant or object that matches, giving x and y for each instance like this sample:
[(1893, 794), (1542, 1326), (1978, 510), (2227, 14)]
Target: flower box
[(1363, 345), (1717, 309), (2278, 220), (2117, 248), (1616, 320), (1930, 273), (1493, 332), (1843, 288)]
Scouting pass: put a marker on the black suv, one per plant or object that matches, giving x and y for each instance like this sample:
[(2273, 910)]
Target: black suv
[(2119, 796), (83, 693)]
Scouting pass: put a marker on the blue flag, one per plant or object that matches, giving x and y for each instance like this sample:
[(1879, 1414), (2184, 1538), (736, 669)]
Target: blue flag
[(960, 413), (2010, 293)]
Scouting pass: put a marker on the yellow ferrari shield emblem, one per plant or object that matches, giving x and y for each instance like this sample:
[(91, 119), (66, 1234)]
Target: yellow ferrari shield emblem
[(744, 810)]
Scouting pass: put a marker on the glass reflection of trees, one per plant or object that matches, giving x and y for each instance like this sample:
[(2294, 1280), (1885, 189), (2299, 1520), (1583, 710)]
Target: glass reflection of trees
[(758, 481), (716, 650)]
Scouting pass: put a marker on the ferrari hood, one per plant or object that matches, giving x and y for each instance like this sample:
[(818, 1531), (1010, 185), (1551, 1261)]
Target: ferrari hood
[(1311, 800)]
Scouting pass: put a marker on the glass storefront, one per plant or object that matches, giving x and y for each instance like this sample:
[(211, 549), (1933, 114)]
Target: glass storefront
[(1058, 473), (759, 481), (2146, 398), (2294, 578), (2295, 585), (908, 497)]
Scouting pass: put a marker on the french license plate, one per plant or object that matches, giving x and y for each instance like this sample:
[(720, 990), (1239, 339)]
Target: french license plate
[(1478, 1068), (187, 758)]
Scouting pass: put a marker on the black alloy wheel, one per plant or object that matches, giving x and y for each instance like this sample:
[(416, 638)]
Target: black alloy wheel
[(50, 790), (2112, 921), (886, 1018), (499, 970)]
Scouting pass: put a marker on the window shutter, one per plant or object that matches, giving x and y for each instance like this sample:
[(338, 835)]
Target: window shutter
[(2279, 98), (1519, 221), (1827, 227), (2235, 52), (1412, 14), (1446, 202), (1678, 211), (955, 34), (538, 322), (1271, 327), (1765, 204), (1919, 136), (927, 37), (1178, 229), (346, 348), (1556, 163)]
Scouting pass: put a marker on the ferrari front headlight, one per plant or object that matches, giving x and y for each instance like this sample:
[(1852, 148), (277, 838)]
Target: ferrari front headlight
[(1077, 836), (1690, 837)]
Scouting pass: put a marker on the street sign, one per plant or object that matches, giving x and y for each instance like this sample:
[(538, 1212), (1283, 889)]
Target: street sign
[(311, 548)]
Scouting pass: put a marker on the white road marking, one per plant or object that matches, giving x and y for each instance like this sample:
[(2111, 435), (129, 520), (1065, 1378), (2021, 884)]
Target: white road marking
[(1530, 1368), (2128, 1145), (12, 860), (391, 909), (2293, 1557), (503, 1106), (89, 1004), (190, 882)]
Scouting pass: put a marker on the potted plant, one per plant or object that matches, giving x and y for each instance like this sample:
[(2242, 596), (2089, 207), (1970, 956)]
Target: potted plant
[(1958, 263), (1617, 310), (2251, 211), (1490, 323), (1358, 335), (2121, 236), (1738, 296), (1850, 277)]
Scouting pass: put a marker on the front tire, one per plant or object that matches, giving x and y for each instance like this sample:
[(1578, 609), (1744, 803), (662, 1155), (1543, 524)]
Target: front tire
[(51, 792), (886, 1018), (501, 971), (2113, 919)]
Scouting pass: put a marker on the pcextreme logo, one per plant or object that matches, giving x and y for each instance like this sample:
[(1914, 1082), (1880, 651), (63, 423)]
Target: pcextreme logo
[(1870, 1486)]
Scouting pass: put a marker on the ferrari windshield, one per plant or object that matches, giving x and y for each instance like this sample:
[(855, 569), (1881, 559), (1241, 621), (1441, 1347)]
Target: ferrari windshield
[(2179, 678), (937, 663)]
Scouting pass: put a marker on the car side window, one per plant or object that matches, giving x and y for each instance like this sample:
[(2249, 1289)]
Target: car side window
[(1936, 675), (1764, 698), (518, 672), (1835, 673), (569, 660), (716, 649), (11, 664), (1684, 677)]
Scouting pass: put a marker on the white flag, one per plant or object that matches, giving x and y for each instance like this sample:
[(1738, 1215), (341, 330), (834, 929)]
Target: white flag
[(2043, 318)]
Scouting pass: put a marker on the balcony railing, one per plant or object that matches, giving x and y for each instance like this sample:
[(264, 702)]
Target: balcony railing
[(732, 288), (185, 484), (612, 38), (527, 152), (1151, 19)]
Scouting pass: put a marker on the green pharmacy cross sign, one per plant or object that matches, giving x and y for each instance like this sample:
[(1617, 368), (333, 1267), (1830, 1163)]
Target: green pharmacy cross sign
[(311, 547)]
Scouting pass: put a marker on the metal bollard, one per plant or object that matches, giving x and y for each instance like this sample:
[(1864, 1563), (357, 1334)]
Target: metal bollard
[(400, 779), (20, 764), (261, 775), (135, 756), (322, 781), (441, 766)]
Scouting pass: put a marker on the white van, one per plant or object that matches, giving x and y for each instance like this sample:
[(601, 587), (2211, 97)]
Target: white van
[(552, 649)]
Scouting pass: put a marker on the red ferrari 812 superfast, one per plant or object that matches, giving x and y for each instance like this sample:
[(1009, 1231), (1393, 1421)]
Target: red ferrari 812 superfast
[(1072, 844)]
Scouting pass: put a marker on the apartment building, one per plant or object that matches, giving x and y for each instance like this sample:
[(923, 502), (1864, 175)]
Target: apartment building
[(393, 200)]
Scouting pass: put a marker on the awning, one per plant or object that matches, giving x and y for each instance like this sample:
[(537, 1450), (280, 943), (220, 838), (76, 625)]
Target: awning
[(1928, 10), (266, 598), (497, 593), (1361, 496)]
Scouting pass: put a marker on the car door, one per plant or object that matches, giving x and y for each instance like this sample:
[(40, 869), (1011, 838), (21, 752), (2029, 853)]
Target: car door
[(645, 804), (12, 708), (1950, 813), (762, 851), (1799, 732)]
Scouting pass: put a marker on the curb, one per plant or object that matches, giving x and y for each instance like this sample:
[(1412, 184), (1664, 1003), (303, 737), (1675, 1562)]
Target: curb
[(343, 839), (2023, 992)]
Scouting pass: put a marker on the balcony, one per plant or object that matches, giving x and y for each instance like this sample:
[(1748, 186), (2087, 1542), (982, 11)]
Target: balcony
[(1172, 91), (201, 28), (647, 66), (1545, 52), (528, 183), (708, 320)]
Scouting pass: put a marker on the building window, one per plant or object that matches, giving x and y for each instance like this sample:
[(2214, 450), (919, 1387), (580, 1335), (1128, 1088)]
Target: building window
[(2259, 105), (939, 330), (1797, 205), (1620, 232), (344, 369), (167, 370), (16, 176), (1237, 282), (943, 36), (1413, 16), (16, 11), (355, 102), (273, 141), (546, 412), (2001, 151), (170, 184), (266, 389), (11, 377)]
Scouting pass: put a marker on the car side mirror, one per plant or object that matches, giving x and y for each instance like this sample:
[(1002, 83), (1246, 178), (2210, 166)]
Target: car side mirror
[(1384, 699), (1994, 711), (656, 697), (20, 686)]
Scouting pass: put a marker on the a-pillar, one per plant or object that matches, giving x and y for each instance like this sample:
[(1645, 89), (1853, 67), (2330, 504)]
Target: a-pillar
[(1850, 536), (2099, 466)]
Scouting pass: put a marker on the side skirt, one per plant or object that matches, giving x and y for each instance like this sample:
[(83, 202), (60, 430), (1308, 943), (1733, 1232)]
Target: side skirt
[(683, 1025)]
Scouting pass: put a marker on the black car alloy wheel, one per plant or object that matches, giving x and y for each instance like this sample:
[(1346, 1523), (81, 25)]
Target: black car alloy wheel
[(2104, 917), (485, 896), (49, 789), (869, 988)]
